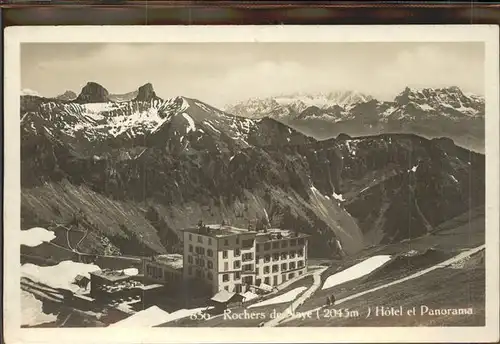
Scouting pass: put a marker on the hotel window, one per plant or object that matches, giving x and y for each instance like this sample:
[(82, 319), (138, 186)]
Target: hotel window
[(190, 237), (256, 271), (276, 256), (300, 263), (301, 241), (276, 244), (276, 268), (210, 253), (266, 280), (202, 250), (224, 254), (283, 255), (202, 263), (293, 242), (284, 243), (237, 288), (258, 258), (237, 240), (300, 253), (226, 242), (226, 266), (292, 275), (210, 265), (227, 288), (190, 259), (275, 280), (247, 256), (236, 264), (210, 276), (247, 243), (267, 258), (266, 269), (283, 267), (300, 272), (292, 265), (190, 270), (247, 267), (200, 239), (190, 248), (237, 275), (237, 252), (292, 254), (267, 246), (210, 241), (257, 248), (225, 277)]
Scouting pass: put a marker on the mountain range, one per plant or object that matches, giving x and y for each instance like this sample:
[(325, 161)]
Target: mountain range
[(132, 171), (429, 112)]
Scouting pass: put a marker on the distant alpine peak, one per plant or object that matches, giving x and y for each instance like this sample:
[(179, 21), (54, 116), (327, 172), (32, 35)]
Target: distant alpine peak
[(442, 94), (68, 95), (93, 92), (295, 103), (29, 92), (342, 98)]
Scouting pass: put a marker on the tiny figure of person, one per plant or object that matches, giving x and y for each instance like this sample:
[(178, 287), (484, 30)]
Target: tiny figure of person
[(332, 299), (328, 301)]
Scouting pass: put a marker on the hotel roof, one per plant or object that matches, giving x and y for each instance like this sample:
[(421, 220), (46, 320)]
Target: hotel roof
[(174, 260), (217, 231), (111, 275)]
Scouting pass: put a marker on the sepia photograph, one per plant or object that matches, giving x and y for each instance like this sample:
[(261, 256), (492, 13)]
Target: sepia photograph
[(253, 182)]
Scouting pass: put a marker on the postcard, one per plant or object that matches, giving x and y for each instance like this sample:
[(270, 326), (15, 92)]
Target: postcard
[(251, 184)]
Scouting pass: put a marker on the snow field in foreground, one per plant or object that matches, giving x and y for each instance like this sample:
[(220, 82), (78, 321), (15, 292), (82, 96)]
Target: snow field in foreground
[(61, 275), (32, 311), (154, 316), (356, 271), (286, 297)]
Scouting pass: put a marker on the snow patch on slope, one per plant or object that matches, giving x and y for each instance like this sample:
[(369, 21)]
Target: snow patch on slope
[(36, 236), (356, 271), (286, 297), (192, 126)]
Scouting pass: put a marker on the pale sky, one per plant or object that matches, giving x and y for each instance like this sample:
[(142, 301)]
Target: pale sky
[(222, 73)]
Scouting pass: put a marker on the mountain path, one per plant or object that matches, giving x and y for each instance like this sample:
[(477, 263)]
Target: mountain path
[(302, 298), (460, 256)]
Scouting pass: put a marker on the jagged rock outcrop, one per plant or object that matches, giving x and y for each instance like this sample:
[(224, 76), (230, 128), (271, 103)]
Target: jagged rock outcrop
[(146, 93), (93, 92)]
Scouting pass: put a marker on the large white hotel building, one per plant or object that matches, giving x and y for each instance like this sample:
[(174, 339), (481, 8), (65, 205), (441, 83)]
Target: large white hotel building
[(225, 257)]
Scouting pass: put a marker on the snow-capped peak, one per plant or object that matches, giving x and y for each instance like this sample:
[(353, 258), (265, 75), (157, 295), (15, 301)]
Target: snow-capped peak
[(295, 103)]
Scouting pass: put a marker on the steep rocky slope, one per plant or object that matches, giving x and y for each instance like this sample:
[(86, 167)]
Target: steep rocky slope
[(133, 173)]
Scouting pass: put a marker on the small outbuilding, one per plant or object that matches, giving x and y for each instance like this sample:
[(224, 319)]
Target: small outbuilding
[(224, 299)]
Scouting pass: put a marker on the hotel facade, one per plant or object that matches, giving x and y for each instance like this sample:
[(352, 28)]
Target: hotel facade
[(234, 259)]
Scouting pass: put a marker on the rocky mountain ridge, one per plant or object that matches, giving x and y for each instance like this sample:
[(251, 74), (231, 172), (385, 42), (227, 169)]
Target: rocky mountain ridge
[(430, 112), (136, 172)]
